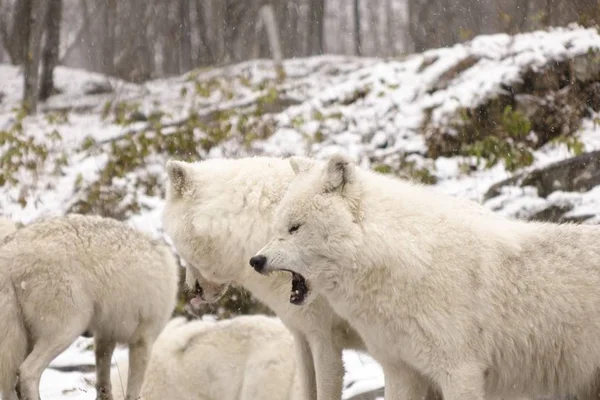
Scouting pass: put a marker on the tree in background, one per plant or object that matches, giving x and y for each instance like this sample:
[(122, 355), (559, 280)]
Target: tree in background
[(37, 22), (51, 48), (357, 33), (137, 40)]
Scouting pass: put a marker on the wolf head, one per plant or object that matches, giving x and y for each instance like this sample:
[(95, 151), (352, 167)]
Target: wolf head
[(317, 227), (218, 212), (191, 218)]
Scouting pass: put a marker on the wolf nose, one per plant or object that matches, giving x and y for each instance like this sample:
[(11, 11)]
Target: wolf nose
[(258, 262)]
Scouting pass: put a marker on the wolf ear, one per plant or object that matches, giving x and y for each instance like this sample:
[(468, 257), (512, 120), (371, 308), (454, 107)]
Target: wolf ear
[(178, 179), (339, 173), (300, 164)]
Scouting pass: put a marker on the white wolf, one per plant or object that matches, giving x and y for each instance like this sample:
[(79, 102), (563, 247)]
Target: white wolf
[(62, 276), (479, 304), (244, 358), (218, 213), (6, 227)]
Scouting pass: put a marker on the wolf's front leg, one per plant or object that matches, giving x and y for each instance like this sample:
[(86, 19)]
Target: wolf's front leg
[(329, 367), (104, 350), (139, 354), (306, 366)]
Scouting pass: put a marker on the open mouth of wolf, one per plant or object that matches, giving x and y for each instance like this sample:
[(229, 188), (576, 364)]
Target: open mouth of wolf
[(300, 288), (198, 298)]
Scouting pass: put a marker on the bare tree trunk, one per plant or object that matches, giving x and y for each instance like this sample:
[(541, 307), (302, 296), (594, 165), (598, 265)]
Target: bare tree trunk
[(109, 39), (15, 38), (375, 31), (51, 46), (185, 48), (171, 40), (357, 36), (207, 50), (32, 59), (390, 29), (315, 26), (268, 18)]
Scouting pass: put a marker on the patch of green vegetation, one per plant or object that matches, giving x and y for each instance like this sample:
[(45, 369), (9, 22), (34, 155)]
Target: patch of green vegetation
[(21, 150), (183, 92), (298, 122), (319, 116), (106, 109), (508, 144), (358, 94), (88, 143), (60, 162), (193, 75), (245, 81), (493, 149), (268, 98), (57, 117), (318, 137), (407, 169), (492, 133), (515, 123), (382, 168), (123, 112), (206, 88), (573, 143)]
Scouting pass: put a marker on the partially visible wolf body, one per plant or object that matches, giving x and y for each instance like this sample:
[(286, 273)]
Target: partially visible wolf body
[(478, 304), (62, 276), (218, 214), (244, 358)]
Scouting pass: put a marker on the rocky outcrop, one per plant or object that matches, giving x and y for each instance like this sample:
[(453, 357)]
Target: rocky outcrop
[(576, 174), (543, 105)]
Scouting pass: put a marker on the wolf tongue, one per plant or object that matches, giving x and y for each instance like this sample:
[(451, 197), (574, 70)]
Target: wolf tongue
[(196, 301)]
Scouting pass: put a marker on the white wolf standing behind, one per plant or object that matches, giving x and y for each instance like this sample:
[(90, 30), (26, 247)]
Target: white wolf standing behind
[(479, 304), (6, 227), (62, 276), (244, 358), (218, 213)]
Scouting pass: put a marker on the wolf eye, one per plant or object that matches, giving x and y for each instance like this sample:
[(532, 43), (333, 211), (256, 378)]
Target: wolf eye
[(294, 228)]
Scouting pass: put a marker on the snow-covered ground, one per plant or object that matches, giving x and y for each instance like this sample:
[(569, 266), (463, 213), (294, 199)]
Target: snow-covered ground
[(370, 109)]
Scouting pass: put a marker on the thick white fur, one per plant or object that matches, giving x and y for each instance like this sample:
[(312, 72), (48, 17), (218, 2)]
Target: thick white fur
[(218, 214), (479, 304), (62, 276), (6, 227), (244, 358)]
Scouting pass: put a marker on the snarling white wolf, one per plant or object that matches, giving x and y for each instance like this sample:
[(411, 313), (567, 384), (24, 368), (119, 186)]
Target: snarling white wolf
[(62, 276), (218, 213), (478, 304), (243, 358)]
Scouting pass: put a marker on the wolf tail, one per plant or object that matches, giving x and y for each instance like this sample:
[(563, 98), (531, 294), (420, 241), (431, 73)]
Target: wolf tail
[(13, 337)]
